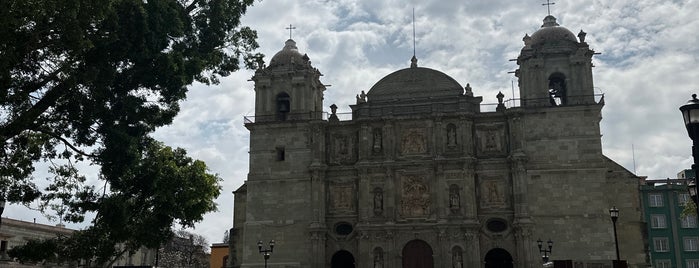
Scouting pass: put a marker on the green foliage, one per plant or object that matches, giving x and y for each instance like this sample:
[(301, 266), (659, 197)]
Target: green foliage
[(88, 81)]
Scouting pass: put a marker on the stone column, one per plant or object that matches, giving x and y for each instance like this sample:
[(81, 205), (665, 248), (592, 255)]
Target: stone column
[(526, 255), (472, 252), (519, 184), (318, 237), (469, 200)]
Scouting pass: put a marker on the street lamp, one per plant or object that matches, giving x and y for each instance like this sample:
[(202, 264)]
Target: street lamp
[(690, 114), (545, 252), (266, 252), (614, 214)]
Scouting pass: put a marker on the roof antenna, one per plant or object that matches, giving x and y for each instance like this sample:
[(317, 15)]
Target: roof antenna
[(413, 61), (413, 32), (548, 6)]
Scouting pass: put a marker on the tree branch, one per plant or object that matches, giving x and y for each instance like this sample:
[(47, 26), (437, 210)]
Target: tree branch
[(25, 120), (66, 142)]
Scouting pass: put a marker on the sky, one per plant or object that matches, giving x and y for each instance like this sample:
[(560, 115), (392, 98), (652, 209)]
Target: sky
[(648, 67)]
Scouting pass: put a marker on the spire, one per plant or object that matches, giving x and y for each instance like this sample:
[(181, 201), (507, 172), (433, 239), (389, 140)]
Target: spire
[(413, 62)]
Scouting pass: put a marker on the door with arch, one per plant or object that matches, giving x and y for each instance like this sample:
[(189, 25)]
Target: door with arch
[(417, 254), (342, 259), (498, 258)]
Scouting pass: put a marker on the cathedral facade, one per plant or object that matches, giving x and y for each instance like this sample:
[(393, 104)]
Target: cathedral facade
[(421, 177)]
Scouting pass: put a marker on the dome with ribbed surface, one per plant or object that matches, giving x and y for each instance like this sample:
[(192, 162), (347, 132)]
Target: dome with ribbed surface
[(415, 82), (552, 32), (288, 55)]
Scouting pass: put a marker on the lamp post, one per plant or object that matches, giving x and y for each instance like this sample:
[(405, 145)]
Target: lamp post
[(614, 214), (544, 252), (690, 114), (266, 252)]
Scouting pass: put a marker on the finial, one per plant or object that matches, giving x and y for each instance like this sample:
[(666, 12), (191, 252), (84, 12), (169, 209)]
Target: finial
[(548, 6), (526, 39), (500, 96), (290, 28), (413, 62)]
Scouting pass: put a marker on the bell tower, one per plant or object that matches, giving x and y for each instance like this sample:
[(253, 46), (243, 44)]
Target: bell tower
[(555, 68), (289, 88)]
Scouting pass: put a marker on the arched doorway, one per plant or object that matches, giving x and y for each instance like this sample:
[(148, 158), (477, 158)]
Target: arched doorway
[(498, 258), (417, 254), (342, 259)]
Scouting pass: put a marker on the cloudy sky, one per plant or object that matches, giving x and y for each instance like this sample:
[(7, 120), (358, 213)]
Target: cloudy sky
[(648, 67)]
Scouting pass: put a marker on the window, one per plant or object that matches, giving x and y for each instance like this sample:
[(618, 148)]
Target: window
[(283, 106), (657, 221), (691, 243), (656, 200), (663, 264), (692, 263), (689, 221), (660, 244), (682, 198), (280, 154)]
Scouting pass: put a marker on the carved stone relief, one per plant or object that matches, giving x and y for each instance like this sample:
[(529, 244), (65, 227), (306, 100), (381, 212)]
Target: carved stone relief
[(342, 198), (491, 139), (415, 196), (493, 193), (342, 148), (414, 141)]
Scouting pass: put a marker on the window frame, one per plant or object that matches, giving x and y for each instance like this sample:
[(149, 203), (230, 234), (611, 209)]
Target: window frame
[(687, 223), (655, 200), (693, 244), (658, 221), (664, 243)]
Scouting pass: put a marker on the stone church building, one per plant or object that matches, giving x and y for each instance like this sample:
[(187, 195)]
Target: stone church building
[(420, 177)]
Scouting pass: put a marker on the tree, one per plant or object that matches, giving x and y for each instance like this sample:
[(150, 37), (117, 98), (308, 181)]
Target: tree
[(88, 81), (185, 249)]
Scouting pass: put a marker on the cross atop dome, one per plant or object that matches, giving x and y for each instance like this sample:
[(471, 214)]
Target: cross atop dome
[(548, 6)]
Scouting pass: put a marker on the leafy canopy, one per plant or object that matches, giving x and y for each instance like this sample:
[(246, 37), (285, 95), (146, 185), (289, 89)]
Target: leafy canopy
[(88, 81)]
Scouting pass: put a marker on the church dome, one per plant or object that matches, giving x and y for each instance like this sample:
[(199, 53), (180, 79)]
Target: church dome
[(551, 32), (288, 55), (414, 82)]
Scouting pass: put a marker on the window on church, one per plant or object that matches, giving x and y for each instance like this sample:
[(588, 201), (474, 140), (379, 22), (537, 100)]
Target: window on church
[(283, 106), (660, 244), (689, 221), (655, 200), (557, 90), (657, 221), (691, 243), (280, 154)]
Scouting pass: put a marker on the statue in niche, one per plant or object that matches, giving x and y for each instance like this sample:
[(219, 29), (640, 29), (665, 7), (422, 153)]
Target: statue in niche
[(415, 197), (378, 201), (490, 142), (454, 198), (378, 258), (376, 147), (451, 135), (457, 260)]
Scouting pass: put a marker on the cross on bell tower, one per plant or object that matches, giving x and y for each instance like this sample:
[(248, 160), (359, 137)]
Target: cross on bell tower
[(548, 5)]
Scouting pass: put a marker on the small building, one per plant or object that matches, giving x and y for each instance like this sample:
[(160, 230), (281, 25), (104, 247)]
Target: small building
[(219, 255), (16, 233), (672, 235)]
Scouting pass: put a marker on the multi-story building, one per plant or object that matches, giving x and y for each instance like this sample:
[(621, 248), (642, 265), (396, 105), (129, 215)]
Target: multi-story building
[(421, 177), (673, 235)]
